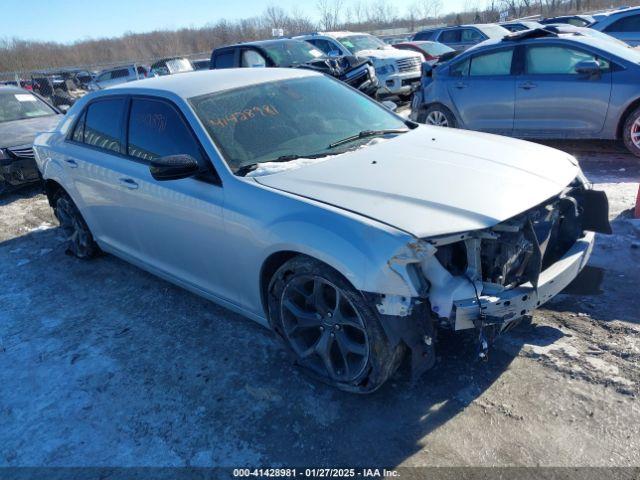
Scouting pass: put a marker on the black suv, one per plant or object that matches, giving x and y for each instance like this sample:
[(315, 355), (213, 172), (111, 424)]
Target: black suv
[(287, 53)]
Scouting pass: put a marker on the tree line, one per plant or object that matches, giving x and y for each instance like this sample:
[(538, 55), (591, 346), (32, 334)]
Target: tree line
[(26, 55)]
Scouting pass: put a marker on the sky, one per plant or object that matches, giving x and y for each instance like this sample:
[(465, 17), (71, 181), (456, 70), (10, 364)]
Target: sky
[(66, 21)]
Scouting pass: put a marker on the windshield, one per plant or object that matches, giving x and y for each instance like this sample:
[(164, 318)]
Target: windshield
[(287, 54), (298, 117), (355, 43), (434, 48), (22, 105)]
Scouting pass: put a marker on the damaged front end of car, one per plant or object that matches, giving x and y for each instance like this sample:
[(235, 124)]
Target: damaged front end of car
[(489, 279)]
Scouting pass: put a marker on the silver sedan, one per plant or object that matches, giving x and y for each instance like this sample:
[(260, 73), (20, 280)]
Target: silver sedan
[(299, 202)]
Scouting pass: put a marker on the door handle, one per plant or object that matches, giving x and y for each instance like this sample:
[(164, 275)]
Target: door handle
[(71, 163), (527, 85), (461, 85), (130, 183)]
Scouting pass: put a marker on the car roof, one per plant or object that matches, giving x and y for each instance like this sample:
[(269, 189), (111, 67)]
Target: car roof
[(13, 88), (618, 11), (259, 43), (193, 84), (565, 37)]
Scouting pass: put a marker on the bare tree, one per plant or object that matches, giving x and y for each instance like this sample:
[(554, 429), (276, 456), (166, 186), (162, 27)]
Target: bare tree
[(330, 12), (425, 9)]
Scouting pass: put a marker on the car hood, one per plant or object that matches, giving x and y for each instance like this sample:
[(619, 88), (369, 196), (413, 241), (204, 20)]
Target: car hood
[(22, 132), (388, 54), (433, 181)]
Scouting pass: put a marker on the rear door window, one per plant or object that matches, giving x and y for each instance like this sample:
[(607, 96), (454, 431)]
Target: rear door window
[(103, 124), (224, 59), (120, 73), (449, 36), (556, 60), (157, 130), (494, 63)]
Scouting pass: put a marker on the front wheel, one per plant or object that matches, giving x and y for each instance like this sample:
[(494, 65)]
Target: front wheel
[(80, 242), (438, 116), (329, 327), (631, 132)]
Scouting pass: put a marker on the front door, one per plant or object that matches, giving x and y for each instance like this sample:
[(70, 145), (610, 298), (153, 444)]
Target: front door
[(553, 100), (178, 224)]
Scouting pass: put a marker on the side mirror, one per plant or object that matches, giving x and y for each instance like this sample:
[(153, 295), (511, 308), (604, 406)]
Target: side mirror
[(390, 105), (334, 53), (588, 67), (63, 108), (173, 167)]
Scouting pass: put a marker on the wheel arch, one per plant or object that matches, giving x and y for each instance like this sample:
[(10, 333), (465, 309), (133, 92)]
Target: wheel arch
[(623, 118), (443, 106), (51, 188)]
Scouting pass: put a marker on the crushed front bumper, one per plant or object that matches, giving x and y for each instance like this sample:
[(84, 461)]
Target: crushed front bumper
[(18, 171), (512, 304)]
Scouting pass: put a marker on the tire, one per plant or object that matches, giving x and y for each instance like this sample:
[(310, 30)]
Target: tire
[(437, 115), (80, 242), (333, 333), (631, 130)]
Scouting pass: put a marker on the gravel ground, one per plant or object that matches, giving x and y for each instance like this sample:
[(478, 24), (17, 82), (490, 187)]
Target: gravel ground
[(102, 364)]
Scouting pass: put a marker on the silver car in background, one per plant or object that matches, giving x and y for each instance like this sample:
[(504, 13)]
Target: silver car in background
[(118, 75), (307, 206)]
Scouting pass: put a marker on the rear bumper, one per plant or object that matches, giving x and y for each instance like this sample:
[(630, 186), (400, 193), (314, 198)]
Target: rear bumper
[(515, 303)]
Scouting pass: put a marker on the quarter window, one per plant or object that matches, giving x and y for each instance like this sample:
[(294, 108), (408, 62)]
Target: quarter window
[(469, 35), (495, 63), (157, 130), (103, 124), (557, 60), (251, 58)]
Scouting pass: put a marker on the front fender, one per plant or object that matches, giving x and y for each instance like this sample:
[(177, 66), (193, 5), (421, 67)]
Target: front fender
[(372, 259)]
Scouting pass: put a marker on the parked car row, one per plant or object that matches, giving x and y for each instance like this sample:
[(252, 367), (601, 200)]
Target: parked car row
[(23, 115)]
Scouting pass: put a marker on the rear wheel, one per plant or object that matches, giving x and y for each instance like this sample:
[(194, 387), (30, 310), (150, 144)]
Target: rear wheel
[(80, 242), (329, 327), (438, 116), (631, 132)]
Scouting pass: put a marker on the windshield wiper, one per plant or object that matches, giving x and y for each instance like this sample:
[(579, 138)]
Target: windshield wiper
[(250, 167), (367, 133)]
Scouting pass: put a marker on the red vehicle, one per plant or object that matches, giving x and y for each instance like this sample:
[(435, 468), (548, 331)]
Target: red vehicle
[(432, 51)]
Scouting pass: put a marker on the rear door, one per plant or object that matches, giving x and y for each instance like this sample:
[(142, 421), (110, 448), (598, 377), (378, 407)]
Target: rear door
[(553, 100), (95, 162), (626, 29), (482, 88)]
